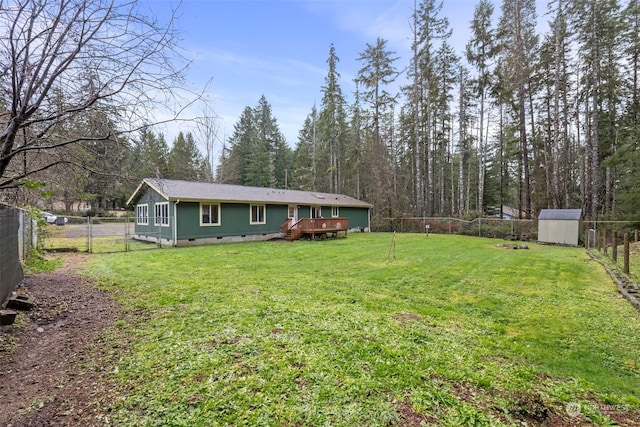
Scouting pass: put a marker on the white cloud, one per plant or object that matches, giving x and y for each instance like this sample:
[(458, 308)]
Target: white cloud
[(372, 19)]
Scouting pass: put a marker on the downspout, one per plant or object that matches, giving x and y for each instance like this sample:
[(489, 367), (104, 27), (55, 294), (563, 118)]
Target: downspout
[(175, 222), (369, 215)]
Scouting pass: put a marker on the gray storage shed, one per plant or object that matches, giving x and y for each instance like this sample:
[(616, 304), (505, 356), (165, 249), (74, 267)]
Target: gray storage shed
[(560, 226)]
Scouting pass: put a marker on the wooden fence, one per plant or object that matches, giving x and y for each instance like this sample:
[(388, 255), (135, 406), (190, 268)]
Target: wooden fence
[(609, 241)]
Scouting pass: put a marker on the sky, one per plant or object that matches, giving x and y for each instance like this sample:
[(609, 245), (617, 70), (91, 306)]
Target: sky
[(243, 49)]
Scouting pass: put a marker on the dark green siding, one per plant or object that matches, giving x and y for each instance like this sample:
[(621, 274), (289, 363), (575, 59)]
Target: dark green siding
[(150, 198), (358, 217), (234, 221), (189, 221), (304, 212)]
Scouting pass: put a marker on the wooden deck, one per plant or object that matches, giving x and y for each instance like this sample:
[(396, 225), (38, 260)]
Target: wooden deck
[(314, 228)]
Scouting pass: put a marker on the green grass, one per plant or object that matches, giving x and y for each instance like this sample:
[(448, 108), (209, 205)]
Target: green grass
[(37, 263), (634, 261), (453, 329)]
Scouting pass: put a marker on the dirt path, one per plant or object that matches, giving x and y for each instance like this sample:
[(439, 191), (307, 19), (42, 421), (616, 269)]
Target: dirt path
[(54, 375)]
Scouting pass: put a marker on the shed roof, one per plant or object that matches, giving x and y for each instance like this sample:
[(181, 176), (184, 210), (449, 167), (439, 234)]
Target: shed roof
[(203, 191), (561, 214)]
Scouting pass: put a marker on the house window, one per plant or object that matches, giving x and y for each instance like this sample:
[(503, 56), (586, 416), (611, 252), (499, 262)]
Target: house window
[(316, 212), (142, 214), (335, 212), (209, 214), (258, 214), (162, 214)]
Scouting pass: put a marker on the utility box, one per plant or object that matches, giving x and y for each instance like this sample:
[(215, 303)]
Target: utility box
[(591, 238)]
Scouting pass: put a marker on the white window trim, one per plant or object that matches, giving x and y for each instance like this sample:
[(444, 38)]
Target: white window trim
[(210, 224), (335, 212), (159, 220), (264, 216), (142, 219)]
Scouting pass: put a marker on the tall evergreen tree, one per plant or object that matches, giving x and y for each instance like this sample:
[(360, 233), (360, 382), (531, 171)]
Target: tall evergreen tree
[(185, 161), (627, 157), (233, 164), (305, 154), (258, 155), (151, 154), (465, 142), (271, 140), (598, 30), (428, 28), (480, 51), (331, 128), (377, 72), (518, 46), (354, 153), (228, 170), (446, 66), (557, 162)]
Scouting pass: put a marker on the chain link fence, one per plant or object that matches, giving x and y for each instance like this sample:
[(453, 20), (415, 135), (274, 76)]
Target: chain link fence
[(93, 235), (115, 234), (516, 229)]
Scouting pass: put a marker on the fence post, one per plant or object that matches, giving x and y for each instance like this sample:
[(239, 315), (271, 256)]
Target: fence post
[(89, 234), (126, 234), (636, 235), (22, 243), (614, 246), (626, 253), (604, 241)]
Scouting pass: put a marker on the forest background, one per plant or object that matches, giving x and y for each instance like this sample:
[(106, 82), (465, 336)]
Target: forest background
[(519, 118)]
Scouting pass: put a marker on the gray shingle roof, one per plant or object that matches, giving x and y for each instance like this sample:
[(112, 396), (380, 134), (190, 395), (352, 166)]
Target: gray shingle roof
[(203, 191), (561, 214)]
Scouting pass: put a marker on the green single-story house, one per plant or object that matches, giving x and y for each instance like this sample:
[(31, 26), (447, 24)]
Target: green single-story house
[(182, 213)]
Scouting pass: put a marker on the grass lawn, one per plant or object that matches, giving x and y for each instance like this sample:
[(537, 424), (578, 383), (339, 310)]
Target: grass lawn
[(452, 331), (634, 261)]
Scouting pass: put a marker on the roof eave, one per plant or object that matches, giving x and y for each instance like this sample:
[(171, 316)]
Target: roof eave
[(266, 202), (136, 194)]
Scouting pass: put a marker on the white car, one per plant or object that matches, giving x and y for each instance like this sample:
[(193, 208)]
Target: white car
[(52, 218)]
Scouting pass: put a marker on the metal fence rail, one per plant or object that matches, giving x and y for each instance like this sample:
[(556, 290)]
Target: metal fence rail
[(115, 234), (484, 227), (94, 235), (525, 229)]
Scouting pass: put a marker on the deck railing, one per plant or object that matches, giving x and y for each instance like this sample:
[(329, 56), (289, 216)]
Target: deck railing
[(314, 226)]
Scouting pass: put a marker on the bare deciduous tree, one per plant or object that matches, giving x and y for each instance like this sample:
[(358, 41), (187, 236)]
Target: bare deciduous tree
[(61, 61), (208, 128)]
